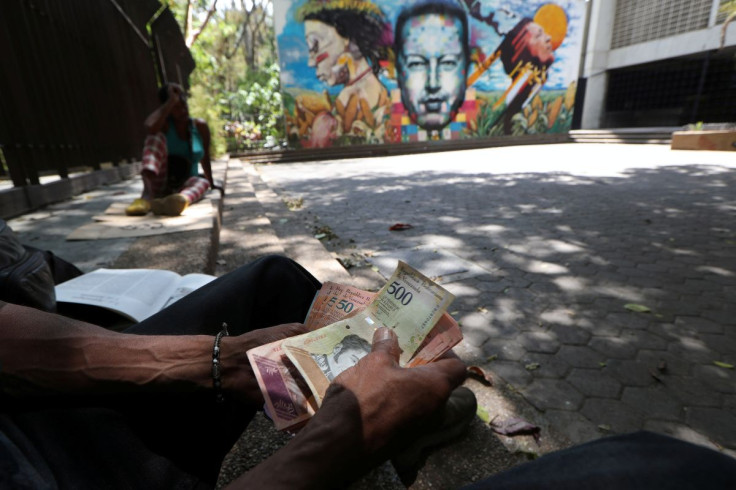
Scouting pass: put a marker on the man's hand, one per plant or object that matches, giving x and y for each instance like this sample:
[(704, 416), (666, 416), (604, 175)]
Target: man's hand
[(369, 411), (237, 376), (394, 400)]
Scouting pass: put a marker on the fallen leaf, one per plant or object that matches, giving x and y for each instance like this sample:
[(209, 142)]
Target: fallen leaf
[(482, 414), (723, 365), (454, 313), (516, 426), (482, 309), (602, 364), (481, 374), (320, 236), (375, 269), (604, 428), (401, 227), (532, 366), (637, 308), (491, 358)]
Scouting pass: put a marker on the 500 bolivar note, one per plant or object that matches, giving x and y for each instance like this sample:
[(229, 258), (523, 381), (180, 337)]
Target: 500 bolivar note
[(409, 303)]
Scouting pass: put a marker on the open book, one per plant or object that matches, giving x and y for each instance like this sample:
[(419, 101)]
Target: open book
[(133, 293)]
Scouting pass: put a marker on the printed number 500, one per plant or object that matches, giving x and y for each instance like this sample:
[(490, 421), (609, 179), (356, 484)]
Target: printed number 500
[(400, 293)]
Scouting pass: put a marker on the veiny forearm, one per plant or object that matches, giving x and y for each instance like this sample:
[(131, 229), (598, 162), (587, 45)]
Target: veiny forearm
[(42, 353), (328, 453)]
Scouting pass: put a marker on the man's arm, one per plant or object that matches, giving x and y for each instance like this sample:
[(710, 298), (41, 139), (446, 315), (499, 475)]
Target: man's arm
[(369, 411), (43, 354), (204, 131), (156, 121)]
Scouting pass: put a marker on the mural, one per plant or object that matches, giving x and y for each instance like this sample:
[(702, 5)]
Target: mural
[(391, 71)]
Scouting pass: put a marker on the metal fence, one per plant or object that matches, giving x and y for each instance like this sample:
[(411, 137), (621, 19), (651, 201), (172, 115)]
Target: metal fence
[(78, 78)]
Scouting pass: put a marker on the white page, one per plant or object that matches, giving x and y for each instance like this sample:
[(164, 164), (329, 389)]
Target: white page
[(135, 293), (186, 285)]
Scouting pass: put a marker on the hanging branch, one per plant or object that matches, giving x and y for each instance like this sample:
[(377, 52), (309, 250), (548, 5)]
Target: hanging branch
[(188, 19), (190, 41), (728, 20)]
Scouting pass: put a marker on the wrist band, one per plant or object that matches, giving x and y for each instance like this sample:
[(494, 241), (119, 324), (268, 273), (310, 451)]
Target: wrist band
[(216, 381)]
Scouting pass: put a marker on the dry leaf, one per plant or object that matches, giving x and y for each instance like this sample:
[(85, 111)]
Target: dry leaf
[(516, 426), (723, 365), (482, 414), (400, 227), (637, 308), (481, 375)]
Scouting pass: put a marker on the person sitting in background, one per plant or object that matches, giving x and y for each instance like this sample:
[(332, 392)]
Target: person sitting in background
[(175, 147)]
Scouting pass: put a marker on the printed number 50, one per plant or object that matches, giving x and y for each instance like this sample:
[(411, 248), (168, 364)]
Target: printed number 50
[(345, 306), (400, 293)]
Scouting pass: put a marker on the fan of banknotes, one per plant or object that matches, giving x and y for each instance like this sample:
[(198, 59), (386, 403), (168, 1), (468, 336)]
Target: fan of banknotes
[(294, 373)]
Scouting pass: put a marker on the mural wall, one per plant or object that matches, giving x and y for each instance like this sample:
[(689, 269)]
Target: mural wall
[(391, 71)]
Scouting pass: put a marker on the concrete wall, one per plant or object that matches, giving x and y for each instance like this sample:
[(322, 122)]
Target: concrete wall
[(599, 57), (20, 200)]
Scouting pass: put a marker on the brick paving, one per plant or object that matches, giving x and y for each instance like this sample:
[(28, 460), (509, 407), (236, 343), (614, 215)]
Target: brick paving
[(567, 236)]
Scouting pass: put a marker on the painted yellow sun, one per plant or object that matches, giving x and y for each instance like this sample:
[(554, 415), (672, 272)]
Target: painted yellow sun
[(553, 20)]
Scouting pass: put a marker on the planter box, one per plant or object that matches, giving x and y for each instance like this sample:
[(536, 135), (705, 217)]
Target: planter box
[(724, 140)]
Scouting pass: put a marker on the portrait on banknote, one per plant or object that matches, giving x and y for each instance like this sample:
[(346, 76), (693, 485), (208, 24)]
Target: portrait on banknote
[(344, 355)]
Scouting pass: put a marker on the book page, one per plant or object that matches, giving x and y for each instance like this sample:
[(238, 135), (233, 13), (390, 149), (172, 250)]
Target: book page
[(186, 285), (135, 293)]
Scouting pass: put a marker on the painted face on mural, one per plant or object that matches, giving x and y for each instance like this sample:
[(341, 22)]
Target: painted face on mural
[(325, 47), (539, 43), (432, 68)]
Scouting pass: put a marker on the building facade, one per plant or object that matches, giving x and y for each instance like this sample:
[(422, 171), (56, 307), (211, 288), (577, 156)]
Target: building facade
[(651, 63)]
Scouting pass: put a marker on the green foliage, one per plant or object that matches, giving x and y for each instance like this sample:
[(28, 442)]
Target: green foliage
[(235, 86), (203, 105), (258, 100)]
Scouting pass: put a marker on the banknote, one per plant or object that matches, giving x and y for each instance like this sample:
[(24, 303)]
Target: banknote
[(444, 336), (335, 302), (289, 402), (409, 303)]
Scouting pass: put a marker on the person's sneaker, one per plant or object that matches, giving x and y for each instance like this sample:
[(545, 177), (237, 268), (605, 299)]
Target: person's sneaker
[(455, 420), (172, 205), (139, 207)]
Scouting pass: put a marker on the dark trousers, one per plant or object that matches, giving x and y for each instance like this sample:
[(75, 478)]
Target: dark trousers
[(638, 461), (164, 441)]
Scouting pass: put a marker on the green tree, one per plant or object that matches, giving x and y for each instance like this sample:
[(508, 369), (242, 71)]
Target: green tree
[(235, 86)]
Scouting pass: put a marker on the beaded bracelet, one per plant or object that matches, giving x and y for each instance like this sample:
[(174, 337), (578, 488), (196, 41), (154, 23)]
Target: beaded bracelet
[(216, 381)]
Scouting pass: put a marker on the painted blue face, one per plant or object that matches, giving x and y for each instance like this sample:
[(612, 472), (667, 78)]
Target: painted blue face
[(432, 68)]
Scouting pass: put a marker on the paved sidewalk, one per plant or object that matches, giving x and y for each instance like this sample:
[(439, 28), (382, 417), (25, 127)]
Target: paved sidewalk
[(543, 247), (565, 237)]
